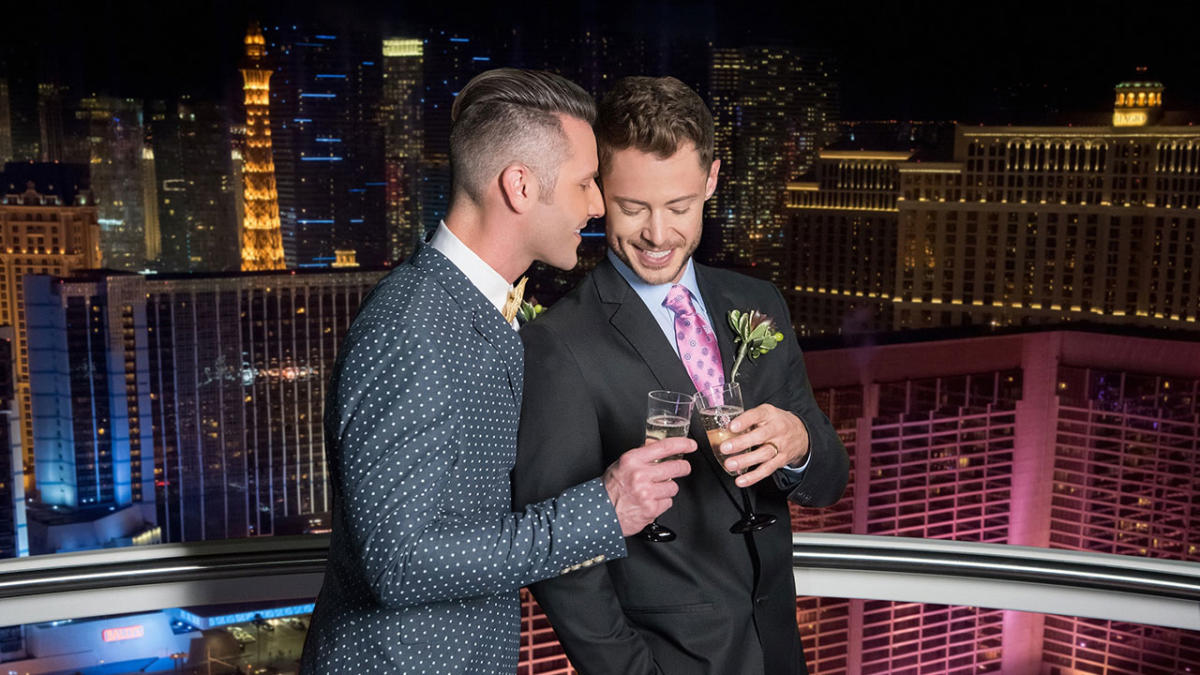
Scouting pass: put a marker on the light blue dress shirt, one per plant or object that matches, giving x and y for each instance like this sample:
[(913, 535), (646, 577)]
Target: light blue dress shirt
[(654, 296)]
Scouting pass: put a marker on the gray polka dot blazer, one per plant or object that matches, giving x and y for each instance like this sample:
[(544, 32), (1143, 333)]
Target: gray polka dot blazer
[(427, 557)]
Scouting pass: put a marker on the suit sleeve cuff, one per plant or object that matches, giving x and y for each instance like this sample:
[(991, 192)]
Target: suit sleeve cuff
[(594, 533)]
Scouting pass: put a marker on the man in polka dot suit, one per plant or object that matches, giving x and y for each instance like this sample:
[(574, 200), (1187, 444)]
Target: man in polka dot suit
[(709, 602), (427, 557)]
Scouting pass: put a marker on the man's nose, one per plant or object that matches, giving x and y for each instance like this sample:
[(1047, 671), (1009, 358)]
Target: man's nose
[(655, 231), (595, 202)]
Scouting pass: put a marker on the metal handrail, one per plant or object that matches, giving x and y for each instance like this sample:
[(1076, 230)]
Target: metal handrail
[(1052, 581), (997, 562), (1073, 583), (146, 578)]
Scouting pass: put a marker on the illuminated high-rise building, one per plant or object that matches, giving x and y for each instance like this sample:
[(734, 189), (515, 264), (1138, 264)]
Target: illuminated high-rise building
[(239, 366), (1050, 224), (197, 189), (6, 139), (1023, 225), (262, 240), (14, 531), (237, 140), (90, 389), (20, 93), (194, 399), (1082, 441), (839, 262), (401, 113), (111, 139), (329, 144), (153, 231), (48, 225), (773, 108), (451, 60), (51, 109)]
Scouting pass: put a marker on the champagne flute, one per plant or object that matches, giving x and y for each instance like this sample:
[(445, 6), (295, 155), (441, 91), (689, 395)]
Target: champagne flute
[(718, 406), (668, 414)]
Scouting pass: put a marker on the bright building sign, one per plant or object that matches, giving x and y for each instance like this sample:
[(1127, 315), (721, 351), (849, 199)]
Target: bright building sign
[(123, 633)]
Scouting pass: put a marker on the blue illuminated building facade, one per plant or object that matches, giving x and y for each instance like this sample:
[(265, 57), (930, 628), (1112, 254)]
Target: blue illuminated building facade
[(328, 145), (451, 60), (195, 398), (90, 390)]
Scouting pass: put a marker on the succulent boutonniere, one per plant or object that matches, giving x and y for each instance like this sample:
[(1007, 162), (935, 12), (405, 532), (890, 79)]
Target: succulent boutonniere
[(754, 333), (529, 311)]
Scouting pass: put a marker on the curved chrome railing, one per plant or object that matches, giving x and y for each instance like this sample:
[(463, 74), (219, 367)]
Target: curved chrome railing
[(1051, 581), (1071, 583), (145, 578)]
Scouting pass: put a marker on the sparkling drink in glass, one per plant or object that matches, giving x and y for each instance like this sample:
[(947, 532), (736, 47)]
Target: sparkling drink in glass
[(718, 407), (668, 414)]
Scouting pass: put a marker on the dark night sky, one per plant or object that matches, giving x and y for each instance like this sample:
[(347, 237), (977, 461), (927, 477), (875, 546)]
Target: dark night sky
[(916, 60)]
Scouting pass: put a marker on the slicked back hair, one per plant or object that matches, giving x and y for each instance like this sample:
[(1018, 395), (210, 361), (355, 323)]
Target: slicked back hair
[(507, 116), (655, 115)]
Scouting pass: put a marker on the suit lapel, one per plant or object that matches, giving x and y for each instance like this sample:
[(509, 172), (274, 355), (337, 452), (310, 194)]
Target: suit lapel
[(486, 321), (632, 320)]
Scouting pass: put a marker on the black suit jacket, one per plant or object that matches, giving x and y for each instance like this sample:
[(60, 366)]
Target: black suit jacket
[(710, 601)]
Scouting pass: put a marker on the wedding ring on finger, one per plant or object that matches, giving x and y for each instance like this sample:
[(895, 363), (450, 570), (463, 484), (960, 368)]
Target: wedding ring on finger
[(773, 447)]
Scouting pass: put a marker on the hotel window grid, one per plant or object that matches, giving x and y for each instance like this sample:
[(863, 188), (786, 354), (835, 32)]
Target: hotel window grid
[(252, 413), (1124, 479), (825, 622)]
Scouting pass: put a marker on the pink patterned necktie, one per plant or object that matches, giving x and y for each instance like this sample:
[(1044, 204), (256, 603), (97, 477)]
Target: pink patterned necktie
[(696, 341)]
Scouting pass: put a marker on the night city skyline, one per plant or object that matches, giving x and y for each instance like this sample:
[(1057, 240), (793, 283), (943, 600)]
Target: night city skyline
[(984, 220), (935, 61)]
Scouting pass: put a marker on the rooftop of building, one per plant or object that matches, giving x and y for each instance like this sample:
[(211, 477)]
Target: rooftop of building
[(943, 334), (1133, 84), (95, 275), (51, 515), (66, 182), (1169, 118)]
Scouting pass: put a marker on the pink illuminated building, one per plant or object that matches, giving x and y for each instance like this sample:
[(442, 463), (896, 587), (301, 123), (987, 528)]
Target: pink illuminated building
[(1060, 439)]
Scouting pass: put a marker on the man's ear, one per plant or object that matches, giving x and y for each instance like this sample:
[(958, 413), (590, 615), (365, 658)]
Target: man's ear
[(519, 187), (710, 184)]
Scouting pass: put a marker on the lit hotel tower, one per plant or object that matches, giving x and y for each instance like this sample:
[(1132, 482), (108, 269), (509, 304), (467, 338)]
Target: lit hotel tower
[(262, 241), (1093, 222), (1061, 439), (1047, 224)]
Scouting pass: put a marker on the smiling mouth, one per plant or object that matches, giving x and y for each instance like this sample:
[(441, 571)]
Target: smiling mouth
[(656, 256)]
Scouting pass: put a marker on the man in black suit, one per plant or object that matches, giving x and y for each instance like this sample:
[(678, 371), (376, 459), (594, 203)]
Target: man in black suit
[(710, 601)]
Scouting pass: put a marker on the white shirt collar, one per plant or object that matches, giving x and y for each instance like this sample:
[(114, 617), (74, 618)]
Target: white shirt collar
[(489, 282)]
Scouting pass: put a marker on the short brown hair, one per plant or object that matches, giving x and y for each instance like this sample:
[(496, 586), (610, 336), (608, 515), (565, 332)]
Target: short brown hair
[(510, 115), (653, 114)]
